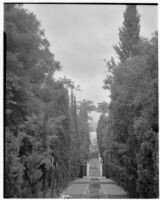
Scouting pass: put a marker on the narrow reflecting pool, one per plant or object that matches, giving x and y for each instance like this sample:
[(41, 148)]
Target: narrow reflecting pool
[(94, 190)]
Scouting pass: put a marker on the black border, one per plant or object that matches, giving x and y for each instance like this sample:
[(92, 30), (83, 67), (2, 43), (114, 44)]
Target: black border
[(4, 108), (4, 57), (85, 3)]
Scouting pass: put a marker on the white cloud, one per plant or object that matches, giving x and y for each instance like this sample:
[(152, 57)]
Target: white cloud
[(82, 36)]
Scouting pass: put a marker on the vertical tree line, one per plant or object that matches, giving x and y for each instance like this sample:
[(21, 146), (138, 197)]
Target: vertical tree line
[(128, 133), (43, 127)]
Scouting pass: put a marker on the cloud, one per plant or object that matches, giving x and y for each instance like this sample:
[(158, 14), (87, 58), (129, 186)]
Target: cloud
[(82, 36), (148, 19)]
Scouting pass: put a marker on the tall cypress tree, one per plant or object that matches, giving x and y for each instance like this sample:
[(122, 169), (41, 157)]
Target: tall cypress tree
[(129, 34), (75, 114)]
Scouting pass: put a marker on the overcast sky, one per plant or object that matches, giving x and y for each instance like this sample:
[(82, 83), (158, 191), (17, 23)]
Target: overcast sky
[(82, 36)]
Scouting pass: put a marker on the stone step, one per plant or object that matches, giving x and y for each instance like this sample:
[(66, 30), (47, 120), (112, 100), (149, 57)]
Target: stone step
[(94, 172)]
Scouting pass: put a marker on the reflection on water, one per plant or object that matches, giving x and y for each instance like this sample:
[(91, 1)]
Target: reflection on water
[(94, 190)]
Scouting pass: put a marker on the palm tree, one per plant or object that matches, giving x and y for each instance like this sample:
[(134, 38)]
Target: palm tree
[(87, 106), (103, 107)]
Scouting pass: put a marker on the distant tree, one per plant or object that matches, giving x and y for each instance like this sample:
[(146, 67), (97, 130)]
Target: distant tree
[(87, 106), (129, 34), (103, 107), (84, 107), (101, 132), (74, 137), (68, 83)]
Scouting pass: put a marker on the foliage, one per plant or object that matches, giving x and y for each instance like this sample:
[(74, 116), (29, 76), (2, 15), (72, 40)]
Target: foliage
[(42, 131), (130, 147), (101, 130), (85, 107), (103, 107), (129, 34)]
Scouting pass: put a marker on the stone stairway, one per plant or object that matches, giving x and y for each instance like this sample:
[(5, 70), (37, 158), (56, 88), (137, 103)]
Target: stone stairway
[(94, 186), (94, 173), (94, 170)]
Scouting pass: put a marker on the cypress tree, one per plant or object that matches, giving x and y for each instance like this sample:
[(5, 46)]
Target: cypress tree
[(129, 34)]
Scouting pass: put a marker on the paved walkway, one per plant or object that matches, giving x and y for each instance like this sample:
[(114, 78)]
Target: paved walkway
[(78, 189), (94, 186), (111, 190), (86, 187)]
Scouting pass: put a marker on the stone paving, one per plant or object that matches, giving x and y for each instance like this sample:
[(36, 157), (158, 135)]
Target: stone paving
[(111, 190), (77, 190), (80, 189), (85, 179), (94, 186)]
